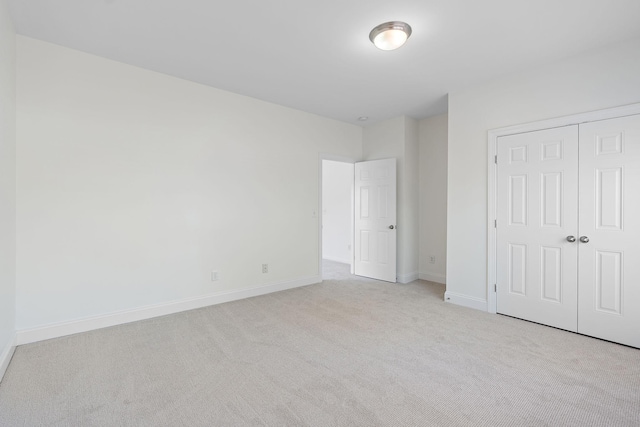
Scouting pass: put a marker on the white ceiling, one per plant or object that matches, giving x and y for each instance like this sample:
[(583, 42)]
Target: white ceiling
[(315, 56)]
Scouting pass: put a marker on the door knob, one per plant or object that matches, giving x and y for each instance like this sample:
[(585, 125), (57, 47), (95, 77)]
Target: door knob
[(584, 239), (571, 239), (391, 227)]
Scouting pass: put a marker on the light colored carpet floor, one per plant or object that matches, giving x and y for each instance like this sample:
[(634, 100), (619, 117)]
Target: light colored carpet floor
[(347, 352)]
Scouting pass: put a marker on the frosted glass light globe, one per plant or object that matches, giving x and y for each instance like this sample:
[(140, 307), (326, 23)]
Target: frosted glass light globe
[(390, 39), (390, 35)]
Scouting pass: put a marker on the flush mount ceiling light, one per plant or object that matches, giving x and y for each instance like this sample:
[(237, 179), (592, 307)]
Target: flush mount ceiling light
[(390, 35)]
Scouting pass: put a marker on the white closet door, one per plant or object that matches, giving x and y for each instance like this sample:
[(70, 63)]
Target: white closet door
[(537, 192), (609, 263)]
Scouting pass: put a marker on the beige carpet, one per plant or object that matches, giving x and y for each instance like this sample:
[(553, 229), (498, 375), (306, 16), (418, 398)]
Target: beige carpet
[(350, 352)]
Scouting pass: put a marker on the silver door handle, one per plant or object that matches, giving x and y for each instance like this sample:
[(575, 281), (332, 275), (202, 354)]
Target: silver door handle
[(391, 227), (571, 239), (584, 239)]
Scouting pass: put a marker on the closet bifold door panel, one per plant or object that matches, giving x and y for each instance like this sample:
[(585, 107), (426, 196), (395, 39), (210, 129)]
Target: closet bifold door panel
[(609, 253), (537, 209)]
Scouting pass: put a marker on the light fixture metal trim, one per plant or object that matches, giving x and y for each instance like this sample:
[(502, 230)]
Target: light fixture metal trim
[(392, 27)]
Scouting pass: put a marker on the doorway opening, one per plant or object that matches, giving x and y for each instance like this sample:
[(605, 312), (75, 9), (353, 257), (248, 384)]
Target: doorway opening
[(337, 217)]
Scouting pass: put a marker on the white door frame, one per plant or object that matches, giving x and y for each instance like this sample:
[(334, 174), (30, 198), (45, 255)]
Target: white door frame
[(334, 158), (492, 140)]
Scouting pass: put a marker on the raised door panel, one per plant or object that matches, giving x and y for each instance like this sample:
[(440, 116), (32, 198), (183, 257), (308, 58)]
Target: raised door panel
[(518, 197), (517, 265), (551, 274), (608, 282), (551, 199)]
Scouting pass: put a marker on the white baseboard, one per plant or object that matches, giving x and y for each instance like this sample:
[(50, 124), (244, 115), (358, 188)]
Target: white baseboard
[(466, 301), (434, 277), (5, 357), (340, 260), (407, 278), (27, 336)]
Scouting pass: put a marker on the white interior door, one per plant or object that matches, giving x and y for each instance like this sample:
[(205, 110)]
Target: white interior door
[(537, 205), (609, 266), (375, 219)]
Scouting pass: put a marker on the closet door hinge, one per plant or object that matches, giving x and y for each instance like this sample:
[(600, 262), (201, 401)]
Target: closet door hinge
[(495, 159), (495, 223), (495, 287)]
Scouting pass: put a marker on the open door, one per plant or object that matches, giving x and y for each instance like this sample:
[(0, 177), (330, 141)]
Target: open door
[(375, 219)]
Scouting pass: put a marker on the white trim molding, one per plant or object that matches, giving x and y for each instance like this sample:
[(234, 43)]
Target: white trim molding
[(492, 140), (407, 278), (5, 357), (434, 277), (57, 330), (465, 300)]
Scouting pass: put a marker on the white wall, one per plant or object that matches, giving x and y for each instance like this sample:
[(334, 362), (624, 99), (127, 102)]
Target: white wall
[(7, 185), (398, 138), (433, 198), (409, 202), (133, 186), (596, 80), (337, 214)]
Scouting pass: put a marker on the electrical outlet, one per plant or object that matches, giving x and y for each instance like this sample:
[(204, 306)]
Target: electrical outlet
[(432, 259), (214, 276), (265, 268)]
